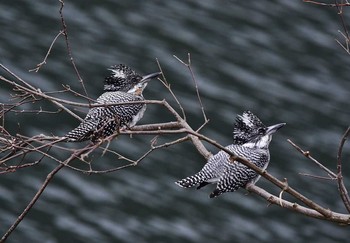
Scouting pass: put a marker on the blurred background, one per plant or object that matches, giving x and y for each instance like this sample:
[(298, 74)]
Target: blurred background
[(277, 58)]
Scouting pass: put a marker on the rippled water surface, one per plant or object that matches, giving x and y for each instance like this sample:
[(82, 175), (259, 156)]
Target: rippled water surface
[(276, 58)]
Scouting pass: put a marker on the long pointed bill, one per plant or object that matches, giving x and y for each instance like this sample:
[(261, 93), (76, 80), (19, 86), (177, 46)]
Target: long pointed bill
[(148, 77), (272, 129)]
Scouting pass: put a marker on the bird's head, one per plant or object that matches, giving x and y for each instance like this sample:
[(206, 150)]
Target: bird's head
[(138, 88), (123, 78), (251, 132)]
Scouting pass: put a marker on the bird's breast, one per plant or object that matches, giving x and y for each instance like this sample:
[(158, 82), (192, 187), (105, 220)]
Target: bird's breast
[(138, 116)]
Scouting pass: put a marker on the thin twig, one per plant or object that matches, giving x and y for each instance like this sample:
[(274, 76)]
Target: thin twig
[(331, 174), (341, 186), (188, 65), (31, 90), (168, 87), (38, 66), (69, 50), (342, 21), (316, 177)]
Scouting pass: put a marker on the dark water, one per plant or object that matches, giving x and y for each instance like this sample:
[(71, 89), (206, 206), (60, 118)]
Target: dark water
[(277, 58)]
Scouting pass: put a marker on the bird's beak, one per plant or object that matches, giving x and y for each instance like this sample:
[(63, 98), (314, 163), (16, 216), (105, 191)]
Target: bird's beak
[(272, 129), (148, 77)]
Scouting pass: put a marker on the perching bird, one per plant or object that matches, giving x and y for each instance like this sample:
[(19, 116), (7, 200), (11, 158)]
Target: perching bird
[(251, 139), (123, 85)]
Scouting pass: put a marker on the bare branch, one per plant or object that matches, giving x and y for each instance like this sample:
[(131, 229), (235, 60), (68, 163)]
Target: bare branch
[(317, 177), (188, 65), (69, 50), (330, 173), (335, 217), (157, 126), (328, 4), (36, 92), (31, 204), (36, 197), (341, 186), (167, 85), (38, 66)]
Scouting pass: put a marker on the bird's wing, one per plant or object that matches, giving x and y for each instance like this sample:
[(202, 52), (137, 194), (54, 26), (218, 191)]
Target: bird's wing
[(124, 111)]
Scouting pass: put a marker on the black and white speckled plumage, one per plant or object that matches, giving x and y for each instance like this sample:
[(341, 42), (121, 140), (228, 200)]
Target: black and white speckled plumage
[(251, 140), (122, 78), (247, 127), (101, 122), (124, 85)]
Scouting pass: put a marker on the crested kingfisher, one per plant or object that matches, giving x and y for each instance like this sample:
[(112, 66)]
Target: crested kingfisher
[(251, 139), (122, 86)]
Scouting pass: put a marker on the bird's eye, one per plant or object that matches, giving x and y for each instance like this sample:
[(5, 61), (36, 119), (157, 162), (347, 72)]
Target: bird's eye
[(261, 130)]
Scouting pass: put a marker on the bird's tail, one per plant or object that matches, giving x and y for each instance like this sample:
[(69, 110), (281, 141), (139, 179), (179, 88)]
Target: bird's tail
[(83, 132), (216, 193), (191, 181)]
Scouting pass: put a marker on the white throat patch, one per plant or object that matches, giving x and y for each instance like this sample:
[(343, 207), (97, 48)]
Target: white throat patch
[(262, 143), (137, 89)]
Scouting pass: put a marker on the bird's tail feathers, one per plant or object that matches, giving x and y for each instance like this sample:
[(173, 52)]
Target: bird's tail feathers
[(215, 193), (191, 181), (81, 133)]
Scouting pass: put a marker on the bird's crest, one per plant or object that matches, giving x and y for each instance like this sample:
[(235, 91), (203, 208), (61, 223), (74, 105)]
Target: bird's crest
[(122, 78), (247, 127)]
